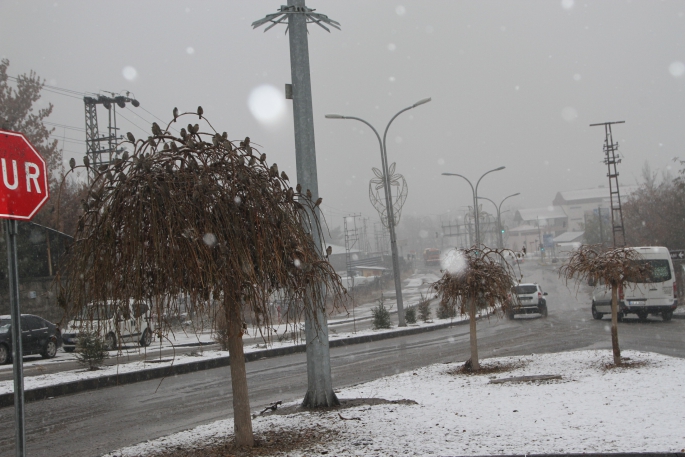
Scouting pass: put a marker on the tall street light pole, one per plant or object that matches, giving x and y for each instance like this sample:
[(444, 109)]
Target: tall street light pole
[(388, 202), (499, 220), (474, 190), (296, 16)]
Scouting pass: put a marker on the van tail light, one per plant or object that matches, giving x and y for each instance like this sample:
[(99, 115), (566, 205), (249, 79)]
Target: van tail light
[(539, 295), (621, 296), (675, 290)]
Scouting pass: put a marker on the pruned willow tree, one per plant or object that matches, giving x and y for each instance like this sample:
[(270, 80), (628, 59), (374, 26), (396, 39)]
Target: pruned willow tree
[(477, 279), (198, 216), (615, 268)]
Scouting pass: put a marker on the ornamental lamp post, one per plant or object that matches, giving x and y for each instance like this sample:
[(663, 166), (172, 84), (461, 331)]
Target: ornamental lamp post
[(388, 201), (474, 191), (499, 220)]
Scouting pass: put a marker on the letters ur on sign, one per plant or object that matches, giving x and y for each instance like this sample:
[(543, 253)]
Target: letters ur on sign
[(23, 177)]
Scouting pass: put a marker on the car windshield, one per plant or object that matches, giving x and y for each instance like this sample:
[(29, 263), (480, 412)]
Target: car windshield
[(520, 290), (5, 325)]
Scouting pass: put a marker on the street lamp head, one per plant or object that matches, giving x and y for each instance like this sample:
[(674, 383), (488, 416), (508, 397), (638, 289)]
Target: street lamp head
[(421, 102), (500, 168), (514, 195), (335, 116)]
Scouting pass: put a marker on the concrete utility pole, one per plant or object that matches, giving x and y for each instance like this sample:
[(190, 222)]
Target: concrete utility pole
[(296, 15)]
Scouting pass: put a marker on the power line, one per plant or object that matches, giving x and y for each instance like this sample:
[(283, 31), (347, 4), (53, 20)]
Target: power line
[(129, 120), (62, 126), (73, 140)]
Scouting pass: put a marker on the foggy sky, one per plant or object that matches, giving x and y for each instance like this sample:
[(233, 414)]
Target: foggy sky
[(514, 83)]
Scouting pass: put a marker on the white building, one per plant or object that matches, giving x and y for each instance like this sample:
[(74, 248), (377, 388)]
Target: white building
[(576, 204)]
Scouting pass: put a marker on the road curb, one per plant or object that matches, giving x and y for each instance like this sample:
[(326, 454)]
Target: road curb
[(67, 388), (604, 454)]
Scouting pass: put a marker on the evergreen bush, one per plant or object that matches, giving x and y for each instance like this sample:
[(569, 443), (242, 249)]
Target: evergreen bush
[(424, 309), (410, 315), (446, 311), (91, 350), (381, 315)]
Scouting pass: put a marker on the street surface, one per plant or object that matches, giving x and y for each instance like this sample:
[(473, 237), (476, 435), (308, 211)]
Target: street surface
[(96, 422)]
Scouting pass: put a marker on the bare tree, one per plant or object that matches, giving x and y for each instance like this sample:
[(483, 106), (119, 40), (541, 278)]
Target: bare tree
[(613, 267), (18, 99), (198, 216), (476, 279)]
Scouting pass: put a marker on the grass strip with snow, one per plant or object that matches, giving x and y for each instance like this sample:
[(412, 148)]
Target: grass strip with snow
[(593, 408)]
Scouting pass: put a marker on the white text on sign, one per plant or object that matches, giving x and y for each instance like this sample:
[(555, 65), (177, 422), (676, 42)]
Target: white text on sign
[(32, 172)]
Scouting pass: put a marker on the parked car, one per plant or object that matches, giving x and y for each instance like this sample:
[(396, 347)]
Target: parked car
[(655, 295), (527, 299), (115, 323), (38, 336)]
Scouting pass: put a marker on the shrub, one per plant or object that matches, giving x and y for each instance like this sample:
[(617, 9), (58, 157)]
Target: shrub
[(91, 350), (446, 311), (410, 315), (424, 309), (381, 315)]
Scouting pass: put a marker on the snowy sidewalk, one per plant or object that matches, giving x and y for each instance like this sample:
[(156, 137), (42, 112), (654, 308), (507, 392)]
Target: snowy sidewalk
[(591, 409)]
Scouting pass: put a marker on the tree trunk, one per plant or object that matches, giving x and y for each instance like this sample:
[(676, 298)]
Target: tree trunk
[(475, 366), (614, 324), (242, 420)]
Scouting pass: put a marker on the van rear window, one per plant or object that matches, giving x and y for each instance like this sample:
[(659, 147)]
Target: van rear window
[(522, 290), (661, 271)]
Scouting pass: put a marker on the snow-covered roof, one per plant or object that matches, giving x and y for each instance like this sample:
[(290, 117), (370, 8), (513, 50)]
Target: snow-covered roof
[(340, 249), (587, 195), (568, 237), (532, 214), (523, 228)]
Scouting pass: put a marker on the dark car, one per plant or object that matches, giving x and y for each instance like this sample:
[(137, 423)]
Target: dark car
[(38, 336)]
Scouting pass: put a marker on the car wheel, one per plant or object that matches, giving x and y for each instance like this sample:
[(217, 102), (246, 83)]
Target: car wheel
[(642, 316), (595, 314), (4, 354), (543, 310), (146, 340), (667, 315), (68, 348), (50, 350), (111, 342)]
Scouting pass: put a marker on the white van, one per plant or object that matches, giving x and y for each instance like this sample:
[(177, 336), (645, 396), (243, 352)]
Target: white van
[(116, 323), (656, 296)]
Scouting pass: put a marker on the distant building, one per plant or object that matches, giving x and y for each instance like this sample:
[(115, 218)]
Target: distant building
[(534, 225), (577, 204)]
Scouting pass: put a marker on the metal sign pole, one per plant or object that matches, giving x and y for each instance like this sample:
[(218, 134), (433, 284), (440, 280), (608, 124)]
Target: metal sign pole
[(17, 360)]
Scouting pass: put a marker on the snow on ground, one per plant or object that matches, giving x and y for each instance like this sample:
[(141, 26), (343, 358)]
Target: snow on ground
[(591, 409)]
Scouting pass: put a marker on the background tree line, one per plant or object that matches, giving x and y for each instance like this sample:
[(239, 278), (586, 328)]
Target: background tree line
[(41, 243), (653, 215)]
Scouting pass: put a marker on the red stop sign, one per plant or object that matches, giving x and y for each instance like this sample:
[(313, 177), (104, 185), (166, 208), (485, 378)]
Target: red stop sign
[(23, 177)]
